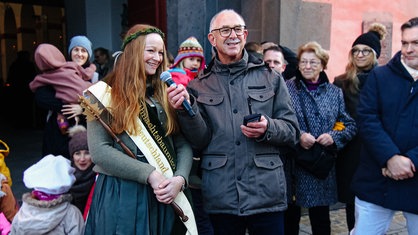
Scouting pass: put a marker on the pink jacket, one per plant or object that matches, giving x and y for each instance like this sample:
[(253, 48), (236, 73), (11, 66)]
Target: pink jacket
[(67, 77)]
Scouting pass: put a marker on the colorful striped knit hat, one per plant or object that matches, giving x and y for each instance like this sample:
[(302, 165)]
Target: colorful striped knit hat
[(189, 48)]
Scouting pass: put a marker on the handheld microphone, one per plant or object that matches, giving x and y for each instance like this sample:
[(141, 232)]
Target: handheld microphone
[(166, 77)]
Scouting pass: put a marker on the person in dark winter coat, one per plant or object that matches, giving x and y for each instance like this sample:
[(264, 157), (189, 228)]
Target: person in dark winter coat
[(103, 62), (319, 105), (21, 72), (81, 161), (386, 180), (362, 59), (243, 182), (289, 57), (62, 114), (273, 56)]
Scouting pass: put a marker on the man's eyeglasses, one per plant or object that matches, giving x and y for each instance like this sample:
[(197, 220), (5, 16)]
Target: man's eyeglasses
[(226, 31), (356, 51), (313, 63)]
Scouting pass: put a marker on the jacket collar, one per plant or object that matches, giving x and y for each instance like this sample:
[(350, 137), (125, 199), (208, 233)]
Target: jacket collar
[(323, 78), (397, 67), (247, 62)]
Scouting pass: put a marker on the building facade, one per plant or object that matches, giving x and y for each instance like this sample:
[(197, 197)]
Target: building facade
[(333, 23)]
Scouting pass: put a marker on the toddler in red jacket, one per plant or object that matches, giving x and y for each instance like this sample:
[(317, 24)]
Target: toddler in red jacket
[(189, 62)]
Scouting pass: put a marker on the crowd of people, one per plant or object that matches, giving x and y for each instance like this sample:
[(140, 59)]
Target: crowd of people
[(213, 147)]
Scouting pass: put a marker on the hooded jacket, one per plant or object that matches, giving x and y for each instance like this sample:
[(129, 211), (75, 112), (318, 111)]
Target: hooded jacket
[(240, 176), (57, 216), (67, 77), (387, 122)]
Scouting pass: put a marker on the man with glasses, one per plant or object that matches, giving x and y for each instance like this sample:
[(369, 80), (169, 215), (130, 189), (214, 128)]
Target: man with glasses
[(386, 180), (243, 182)]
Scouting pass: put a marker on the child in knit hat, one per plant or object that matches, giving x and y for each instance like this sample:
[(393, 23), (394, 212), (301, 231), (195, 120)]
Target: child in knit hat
[(48, 209), (189, 62), (81, 161)]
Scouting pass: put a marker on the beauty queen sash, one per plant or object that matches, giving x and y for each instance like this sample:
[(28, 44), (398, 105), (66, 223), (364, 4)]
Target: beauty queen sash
[(152, 152)]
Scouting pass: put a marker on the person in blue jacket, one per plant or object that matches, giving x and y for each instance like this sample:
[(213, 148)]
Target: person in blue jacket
[(386, 179)]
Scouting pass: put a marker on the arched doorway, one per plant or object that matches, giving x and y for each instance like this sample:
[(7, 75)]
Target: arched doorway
[(9, 41), (28, 28)]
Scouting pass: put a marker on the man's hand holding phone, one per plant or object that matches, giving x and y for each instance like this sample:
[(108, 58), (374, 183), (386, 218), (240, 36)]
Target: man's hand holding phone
[(251, 118), (256, 128)]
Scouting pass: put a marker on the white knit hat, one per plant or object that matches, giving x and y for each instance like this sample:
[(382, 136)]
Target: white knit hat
[(51, 175)]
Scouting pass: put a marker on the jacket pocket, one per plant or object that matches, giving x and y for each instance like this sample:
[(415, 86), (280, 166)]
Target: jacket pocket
[(211, 100), (213, 106), (211, 162), (214, 186), (261, 95), (270, 181), (261, 100), (268, 161)]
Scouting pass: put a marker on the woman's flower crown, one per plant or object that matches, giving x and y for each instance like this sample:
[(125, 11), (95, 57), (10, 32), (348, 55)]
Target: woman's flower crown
[(139, 33)]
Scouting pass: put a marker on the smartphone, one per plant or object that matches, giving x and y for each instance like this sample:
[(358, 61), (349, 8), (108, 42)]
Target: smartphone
[(251, 118)]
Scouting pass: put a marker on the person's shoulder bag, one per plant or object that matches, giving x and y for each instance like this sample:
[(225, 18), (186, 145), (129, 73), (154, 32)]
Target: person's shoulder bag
[(317, 160)]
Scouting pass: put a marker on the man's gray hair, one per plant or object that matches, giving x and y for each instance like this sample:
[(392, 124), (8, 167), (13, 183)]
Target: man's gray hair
[(221, 12)]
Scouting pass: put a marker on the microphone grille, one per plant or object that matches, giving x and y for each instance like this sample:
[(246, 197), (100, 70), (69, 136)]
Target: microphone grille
[(165, 76)]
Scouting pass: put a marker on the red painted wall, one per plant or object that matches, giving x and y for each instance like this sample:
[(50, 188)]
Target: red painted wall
[(346, 25)]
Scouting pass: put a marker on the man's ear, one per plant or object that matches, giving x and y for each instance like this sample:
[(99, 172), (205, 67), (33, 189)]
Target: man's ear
[(212, 39), (245, 34)]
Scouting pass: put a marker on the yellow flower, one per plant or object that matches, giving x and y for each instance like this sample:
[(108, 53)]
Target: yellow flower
[(338, 126)]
